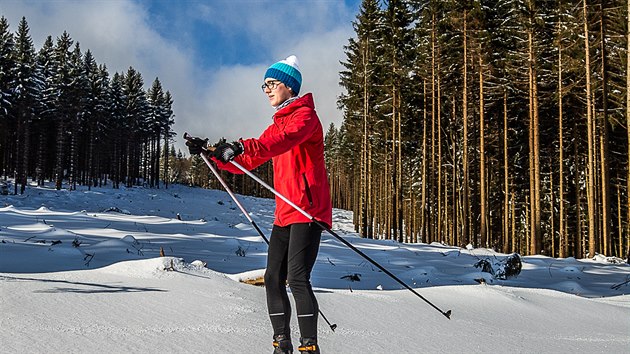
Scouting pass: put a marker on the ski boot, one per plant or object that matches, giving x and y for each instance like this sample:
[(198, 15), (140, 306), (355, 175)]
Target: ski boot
[(309, 345), (282, 344)]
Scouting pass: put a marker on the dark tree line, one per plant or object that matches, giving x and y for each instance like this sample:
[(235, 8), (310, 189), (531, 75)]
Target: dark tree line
[(63, 118), (501, 123)]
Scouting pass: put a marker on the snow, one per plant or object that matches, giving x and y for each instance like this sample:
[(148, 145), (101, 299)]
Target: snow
[(114, 293)]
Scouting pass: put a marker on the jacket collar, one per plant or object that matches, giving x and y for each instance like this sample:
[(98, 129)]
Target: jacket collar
[(304, 101)]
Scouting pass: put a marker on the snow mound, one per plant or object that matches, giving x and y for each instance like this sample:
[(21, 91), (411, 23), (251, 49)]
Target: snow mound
[(153, 267), (604, 259), (247, 276), (142, 268)]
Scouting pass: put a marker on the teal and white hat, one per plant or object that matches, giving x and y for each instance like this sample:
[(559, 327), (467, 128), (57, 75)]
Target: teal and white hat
[(286, 71)]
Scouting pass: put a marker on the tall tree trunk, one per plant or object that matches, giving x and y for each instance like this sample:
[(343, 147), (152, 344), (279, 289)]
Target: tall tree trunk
[(628, 128), (534, 158), (537, 175), (506, 186), (399, 170), (372, 190), (466, 191), (26, 134), (387, 181), (441, 213), (365, 187), (455, 234), (578, 241), (423, 198), (483, 231), (156, 164), (90, 159), (515, 244), (60, 154), (591, 140), (563, 240), (166, 158), (604, 153), (41, 157), (128, 164), (432, 225), (399, 189), (18, 170), (394, 171), (552, 216)]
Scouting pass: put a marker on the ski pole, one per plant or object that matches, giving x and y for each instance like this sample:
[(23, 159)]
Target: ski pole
[(332, 326), (447, 314)]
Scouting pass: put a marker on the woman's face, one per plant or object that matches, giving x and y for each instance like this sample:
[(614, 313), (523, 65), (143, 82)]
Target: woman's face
[(276, 91)]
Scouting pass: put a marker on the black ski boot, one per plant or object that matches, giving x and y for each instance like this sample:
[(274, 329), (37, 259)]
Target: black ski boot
[(309, 345), (282, 344)]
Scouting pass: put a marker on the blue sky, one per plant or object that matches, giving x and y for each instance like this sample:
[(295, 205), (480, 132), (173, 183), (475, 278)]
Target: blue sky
[(211, 55)]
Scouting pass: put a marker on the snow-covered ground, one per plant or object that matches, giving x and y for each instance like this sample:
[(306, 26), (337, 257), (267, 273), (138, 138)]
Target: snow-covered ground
[(81, 271)]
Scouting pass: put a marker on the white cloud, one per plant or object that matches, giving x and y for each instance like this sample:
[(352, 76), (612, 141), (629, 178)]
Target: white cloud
[(237, 107), (216, 102)]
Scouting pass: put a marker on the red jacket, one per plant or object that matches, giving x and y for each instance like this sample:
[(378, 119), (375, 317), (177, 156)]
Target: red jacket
[(295, 143)]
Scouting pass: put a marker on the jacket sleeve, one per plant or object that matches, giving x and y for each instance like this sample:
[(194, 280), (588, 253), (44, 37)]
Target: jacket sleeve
[(246, 160), (299, 127)]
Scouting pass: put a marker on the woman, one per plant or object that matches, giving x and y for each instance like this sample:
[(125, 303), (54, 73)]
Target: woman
[(295, 143)]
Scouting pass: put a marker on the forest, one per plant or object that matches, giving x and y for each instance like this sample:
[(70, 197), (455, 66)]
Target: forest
[(501, 124), (64, 119)]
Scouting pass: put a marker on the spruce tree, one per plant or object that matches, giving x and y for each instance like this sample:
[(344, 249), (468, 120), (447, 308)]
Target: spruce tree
[(46, 115), (26, 99), (7, 65), (156, 100), (62, 86), (361, 79), (116, 131), (168, 134), (135, 125), (78, 116)]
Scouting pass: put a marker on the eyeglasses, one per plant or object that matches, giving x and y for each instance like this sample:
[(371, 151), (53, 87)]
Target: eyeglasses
[(270, 85)]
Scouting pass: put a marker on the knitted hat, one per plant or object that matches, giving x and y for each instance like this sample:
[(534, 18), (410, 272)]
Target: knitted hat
[(286, 71)]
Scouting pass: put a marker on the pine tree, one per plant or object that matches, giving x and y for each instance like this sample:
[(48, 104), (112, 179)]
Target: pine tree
[(361, 79), (156, 100), (46, 116), (167, 133), (26, 98), (62, 86), (116, 132), (397, 54), (77, 118), (136, 124), (7, 63), (96, 115)]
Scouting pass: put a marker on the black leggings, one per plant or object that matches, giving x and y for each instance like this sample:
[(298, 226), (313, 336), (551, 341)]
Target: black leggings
[(292, 254)]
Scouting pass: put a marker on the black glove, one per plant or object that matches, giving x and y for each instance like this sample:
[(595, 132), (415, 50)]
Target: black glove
[(226, 152), (196, 145)]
